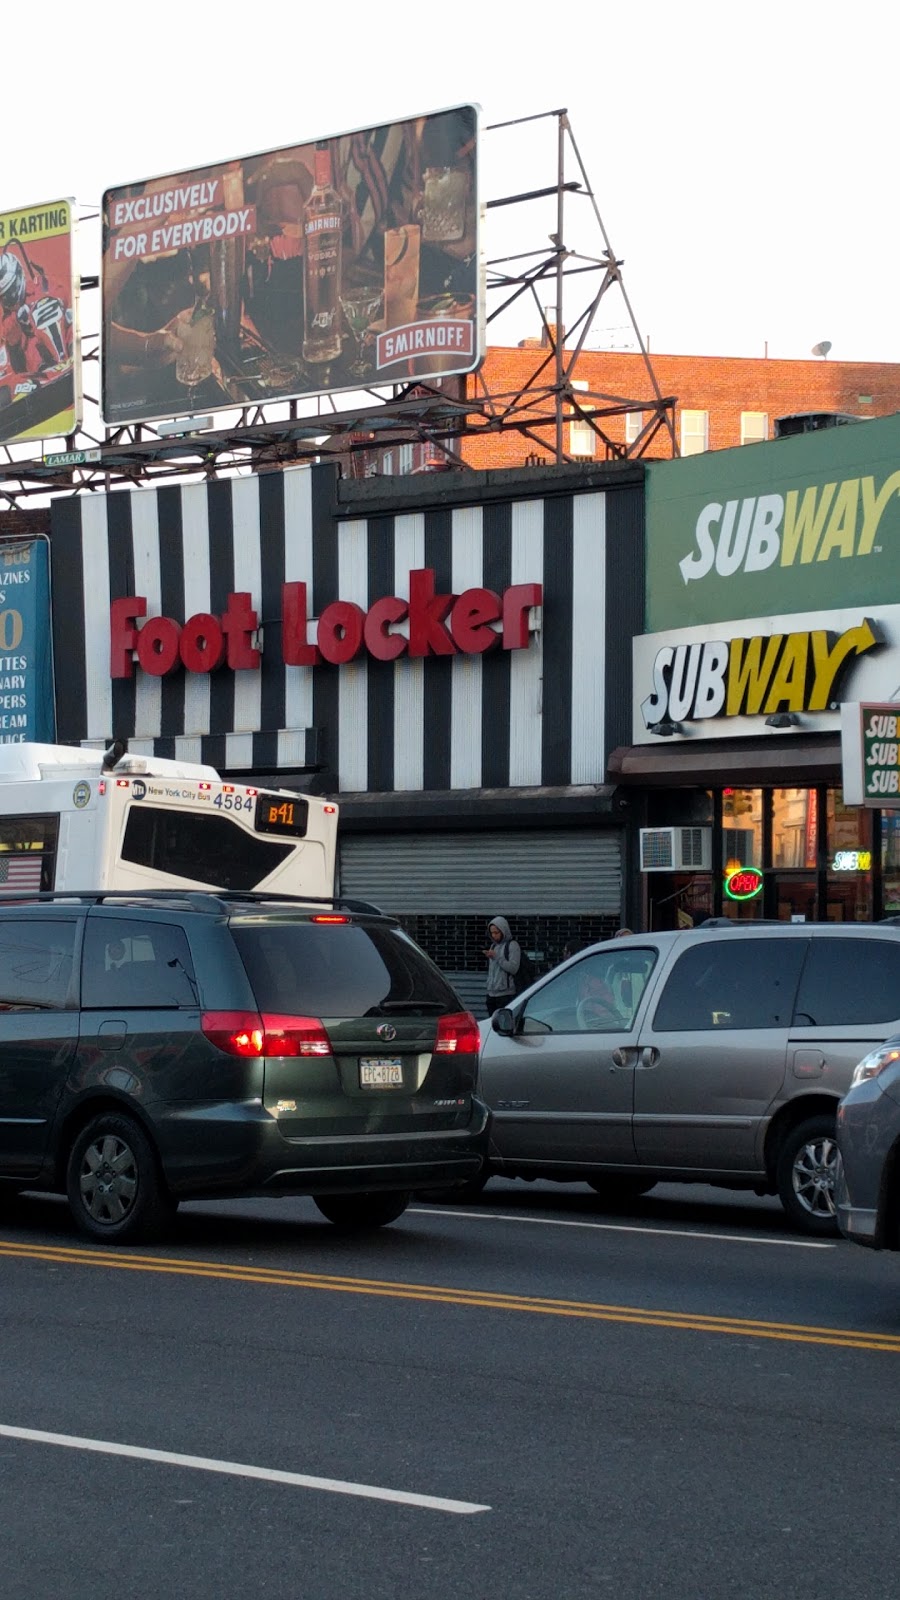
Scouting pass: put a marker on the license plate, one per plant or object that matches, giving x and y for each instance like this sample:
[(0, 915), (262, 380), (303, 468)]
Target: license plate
[(381, 1074)]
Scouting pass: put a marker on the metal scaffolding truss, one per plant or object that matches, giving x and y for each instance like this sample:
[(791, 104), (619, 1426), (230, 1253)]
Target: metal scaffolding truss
[(444, 414), (548, 399)]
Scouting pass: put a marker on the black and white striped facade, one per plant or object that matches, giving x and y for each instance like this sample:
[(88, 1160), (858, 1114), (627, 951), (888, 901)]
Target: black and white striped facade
[(469, 785), (546, 715)]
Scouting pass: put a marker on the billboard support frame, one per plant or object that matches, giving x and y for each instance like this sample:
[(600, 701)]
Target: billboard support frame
[(421, 411)]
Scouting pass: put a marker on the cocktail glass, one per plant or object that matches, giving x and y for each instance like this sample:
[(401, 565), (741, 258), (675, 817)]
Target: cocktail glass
[(361, 307), (197, 332), (444, 204)]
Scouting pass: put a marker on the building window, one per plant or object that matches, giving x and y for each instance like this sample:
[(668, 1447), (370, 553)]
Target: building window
[(581, 435), (754, 427), (850, 861), (741, 829), (795, 822), (634, 423), (694, 432)]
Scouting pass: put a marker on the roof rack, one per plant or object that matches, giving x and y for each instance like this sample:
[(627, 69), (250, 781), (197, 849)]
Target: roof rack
[(732, 922), (211, 901)]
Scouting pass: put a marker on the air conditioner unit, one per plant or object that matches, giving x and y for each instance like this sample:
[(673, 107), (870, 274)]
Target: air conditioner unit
[(676, 849)]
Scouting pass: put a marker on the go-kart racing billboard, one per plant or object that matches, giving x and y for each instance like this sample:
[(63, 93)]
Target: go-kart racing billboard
[(40, 368)]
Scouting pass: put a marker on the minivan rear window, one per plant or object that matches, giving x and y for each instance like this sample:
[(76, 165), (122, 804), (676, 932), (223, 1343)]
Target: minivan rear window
[(340, 970), (731, 983), (849, 982)]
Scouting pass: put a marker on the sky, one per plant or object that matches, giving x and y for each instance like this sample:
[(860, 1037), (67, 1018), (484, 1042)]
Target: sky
[(741, 158)]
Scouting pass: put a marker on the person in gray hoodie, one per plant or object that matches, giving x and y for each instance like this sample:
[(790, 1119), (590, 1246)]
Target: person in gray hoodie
[(503, 957)]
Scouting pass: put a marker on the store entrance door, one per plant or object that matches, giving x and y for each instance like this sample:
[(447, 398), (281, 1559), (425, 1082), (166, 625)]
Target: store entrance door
[(790, 896)]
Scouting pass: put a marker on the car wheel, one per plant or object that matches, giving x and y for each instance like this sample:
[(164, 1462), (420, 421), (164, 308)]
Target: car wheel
[(362, 1213), (460, 1193), (805, 1175), (621, 1189), (114, 1184)]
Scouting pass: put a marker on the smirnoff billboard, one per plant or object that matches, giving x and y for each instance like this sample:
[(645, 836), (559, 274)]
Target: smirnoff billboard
[(333, 265), (427, 624)]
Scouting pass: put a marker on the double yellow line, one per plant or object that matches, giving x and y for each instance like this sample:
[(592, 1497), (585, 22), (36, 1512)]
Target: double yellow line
[(446, 1295)]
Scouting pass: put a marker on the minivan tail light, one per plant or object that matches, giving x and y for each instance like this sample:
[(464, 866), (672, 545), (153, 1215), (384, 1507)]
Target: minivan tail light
[(246, 1033), (457, 1034), (294, 1036), (238, 1033)]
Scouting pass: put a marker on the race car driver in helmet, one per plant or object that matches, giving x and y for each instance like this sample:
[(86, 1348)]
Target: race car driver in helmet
[(35, 323)]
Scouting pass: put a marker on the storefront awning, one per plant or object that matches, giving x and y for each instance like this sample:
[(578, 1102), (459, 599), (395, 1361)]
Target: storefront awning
[(793, 761), (543, 806)]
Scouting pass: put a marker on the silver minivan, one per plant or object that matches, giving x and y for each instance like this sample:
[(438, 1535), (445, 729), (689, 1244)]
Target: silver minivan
[(714, 1055)]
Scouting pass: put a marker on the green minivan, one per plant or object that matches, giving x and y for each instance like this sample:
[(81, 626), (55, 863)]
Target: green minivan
[(172, 1045)]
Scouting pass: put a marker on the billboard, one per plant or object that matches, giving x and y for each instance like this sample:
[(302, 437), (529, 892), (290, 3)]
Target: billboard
[(799, 524), (40, 366), (332, 265), (26, 677)]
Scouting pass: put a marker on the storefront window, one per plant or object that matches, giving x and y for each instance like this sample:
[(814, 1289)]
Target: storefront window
[(794, 825), (890, 862), (849, 867), (741, 828), (742, 854), (791, 854)]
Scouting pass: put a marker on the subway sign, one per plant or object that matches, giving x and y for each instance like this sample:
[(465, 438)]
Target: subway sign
[(803, 524), (755, 676), (831, 521), (870, 754)]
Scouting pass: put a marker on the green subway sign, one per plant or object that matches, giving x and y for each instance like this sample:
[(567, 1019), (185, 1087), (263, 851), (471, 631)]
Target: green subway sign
[(805, 524), (870, 753)]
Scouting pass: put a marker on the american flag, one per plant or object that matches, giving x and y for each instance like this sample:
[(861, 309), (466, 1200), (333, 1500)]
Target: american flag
[(20, 872)]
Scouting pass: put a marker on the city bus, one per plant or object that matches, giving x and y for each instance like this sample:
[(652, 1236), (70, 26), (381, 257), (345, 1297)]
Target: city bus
[(80, 819)]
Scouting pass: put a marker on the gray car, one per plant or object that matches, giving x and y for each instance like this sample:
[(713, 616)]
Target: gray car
[(715, 1055), (867, 1182)]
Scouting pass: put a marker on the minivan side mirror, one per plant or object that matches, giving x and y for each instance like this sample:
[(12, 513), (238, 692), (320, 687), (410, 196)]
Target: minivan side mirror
[(504, 1022)]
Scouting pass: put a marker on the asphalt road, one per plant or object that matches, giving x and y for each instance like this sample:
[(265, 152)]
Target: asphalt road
[(529, 1399)]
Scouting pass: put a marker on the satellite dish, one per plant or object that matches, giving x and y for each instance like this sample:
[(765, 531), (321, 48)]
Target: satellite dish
[(822, 348)]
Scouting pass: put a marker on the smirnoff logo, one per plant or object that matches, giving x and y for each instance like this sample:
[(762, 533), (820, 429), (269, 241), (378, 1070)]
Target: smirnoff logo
[(427, 624), (451, 335), (323, 224)]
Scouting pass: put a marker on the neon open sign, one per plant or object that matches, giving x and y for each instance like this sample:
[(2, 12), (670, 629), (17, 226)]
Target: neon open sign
[(744, 883)]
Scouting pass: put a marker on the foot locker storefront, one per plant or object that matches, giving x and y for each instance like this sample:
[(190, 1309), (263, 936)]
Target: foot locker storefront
[(450, 658), (559, 888)]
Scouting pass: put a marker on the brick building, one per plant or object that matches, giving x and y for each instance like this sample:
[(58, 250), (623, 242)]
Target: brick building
[(721, 400)]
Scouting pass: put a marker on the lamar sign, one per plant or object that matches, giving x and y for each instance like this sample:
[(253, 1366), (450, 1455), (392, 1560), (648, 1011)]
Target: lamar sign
[(435, 624)]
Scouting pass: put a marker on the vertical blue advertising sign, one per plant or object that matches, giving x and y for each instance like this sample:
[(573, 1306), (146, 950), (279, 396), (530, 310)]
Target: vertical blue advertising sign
[(26, 676)]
